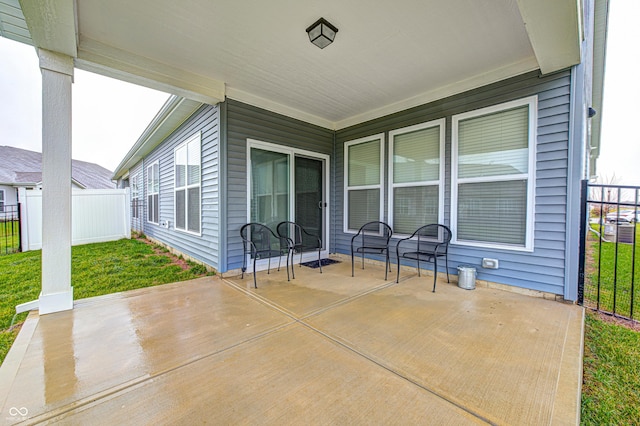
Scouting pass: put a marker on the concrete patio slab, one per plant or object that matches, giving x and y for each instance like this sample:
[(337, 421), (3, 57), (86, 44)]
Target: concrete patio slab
[(320, 349)]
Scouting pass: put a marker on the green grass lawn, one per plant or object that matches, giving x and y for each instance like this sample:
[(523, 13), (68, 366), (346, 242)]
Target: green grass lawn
[(615, 276), (611, 385), (96, 269)]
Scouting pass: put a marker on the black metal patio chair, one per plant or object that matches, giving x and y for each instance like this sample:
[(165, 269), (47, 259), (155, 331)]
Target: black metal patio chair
[(260, 242), (294, 234), (427, 243), (373, 238)]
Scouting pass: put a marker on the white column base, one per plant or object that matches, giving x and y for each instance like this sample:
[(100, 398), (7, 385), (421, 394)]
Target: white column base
[(56, 302)]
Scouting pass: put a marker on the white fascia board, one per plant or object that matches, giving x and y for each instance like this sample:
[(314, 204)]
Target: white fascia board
[(101, 59), (173, 113), (555, 31), (52, 25)]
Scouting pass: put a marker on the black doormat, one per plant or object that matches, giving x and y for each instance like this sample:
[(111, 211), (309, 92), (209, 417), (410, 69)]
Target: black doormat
[(315, 264)]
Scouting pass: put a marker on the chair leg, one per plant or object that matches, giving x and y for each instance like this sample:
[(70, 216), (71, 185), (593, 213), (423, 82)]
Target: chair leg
[(418, 263), (319, 260), (269, 263), (352, 261), (398, 273), (435, 273), (288, 279), (386, 265), (446, 264), (293, 273), (362, 259), (255, 283)]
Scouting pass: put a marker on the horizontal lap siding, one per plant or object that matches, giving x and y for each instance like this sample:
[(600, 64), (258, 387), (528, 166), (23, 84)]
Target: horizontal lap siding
[(204, 247), (247, 122), (543, 269)]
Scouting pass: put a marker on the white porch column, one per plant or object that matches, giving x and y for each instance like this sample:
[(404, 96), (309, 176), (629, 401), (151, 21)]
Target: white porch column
[(57, 77)]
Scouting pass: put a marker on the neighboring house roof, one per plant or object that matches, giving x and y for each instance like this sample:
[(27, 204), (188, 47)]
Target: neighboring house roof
[(19, 167)]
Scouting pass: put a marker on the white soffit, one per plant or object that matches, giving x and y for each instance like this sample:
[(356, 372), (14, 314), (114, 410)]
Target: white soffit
[(555, 31), (387, 56), (52, 25)]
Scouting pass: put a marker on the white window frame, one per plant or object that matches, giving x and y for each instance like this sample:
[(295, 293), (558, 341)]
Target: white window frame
[(151, 192), (135, 195), (532, 103), (262, 264), (441, 171), (347, 188), (197, 139)]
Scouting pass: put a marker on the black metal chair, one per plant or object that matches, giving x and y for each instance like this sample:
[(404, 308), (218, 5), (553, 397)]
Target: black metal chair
[(374, 239), (427, 243), (294, 234), (261, 242)]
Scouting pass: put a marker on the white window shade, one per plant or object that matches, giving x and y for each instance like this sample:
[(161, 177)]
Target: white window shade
[(416, 156), (413, 207), (494, 145), (493, 212), (364, 163), (364, 206)]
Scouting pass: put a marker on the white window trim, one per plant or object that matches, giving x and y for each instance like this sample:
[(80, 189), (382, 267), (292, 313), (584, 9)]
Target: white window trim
[(347, 188), (532, 103), (441, 172), (147, 192), (135, 198), (197, 136)]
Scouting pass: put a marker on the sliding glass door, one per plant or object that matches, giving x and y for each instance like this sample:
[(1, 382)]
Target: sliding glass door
[(288, 184)]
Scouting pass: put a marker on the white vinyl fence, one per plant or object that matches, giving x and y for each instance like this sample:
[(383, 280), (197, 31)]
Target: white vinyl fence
[(96, 215)]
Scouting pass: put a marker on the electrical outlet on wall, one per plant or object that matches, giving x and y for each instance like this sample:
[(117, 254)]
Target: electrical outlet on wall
[(490, 263)]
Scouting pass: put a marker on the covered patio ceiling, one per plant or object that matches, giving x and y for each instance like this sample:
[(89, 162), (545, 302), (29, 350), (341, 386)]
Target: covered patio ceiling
[(387, 56)]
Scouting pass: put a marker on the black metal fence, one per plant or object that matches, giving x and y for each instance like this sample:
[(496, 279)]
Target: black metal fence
[(10, 229), (609, 278)]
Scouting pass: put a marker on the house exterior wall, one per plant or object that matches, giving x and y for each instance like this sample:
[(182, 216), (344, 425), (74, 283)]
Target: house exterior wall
[(204, 247), (247, 122), (10, 195), (544, 268)]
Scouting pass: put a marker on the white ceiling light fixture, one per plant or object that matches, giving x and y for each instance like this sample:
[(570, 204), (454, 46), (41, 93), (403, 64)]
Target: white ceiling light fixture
[(322, 33)]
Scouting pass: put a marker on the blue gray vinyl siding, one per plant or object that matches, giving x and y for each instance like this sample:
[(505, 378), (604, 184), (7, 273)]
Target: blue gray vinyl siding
[(247, 122), (204, 247), (544, 268)]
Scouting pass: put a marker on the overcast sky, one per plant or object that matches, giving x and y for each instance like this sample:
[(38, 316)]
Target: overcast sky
[(109, 115)]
